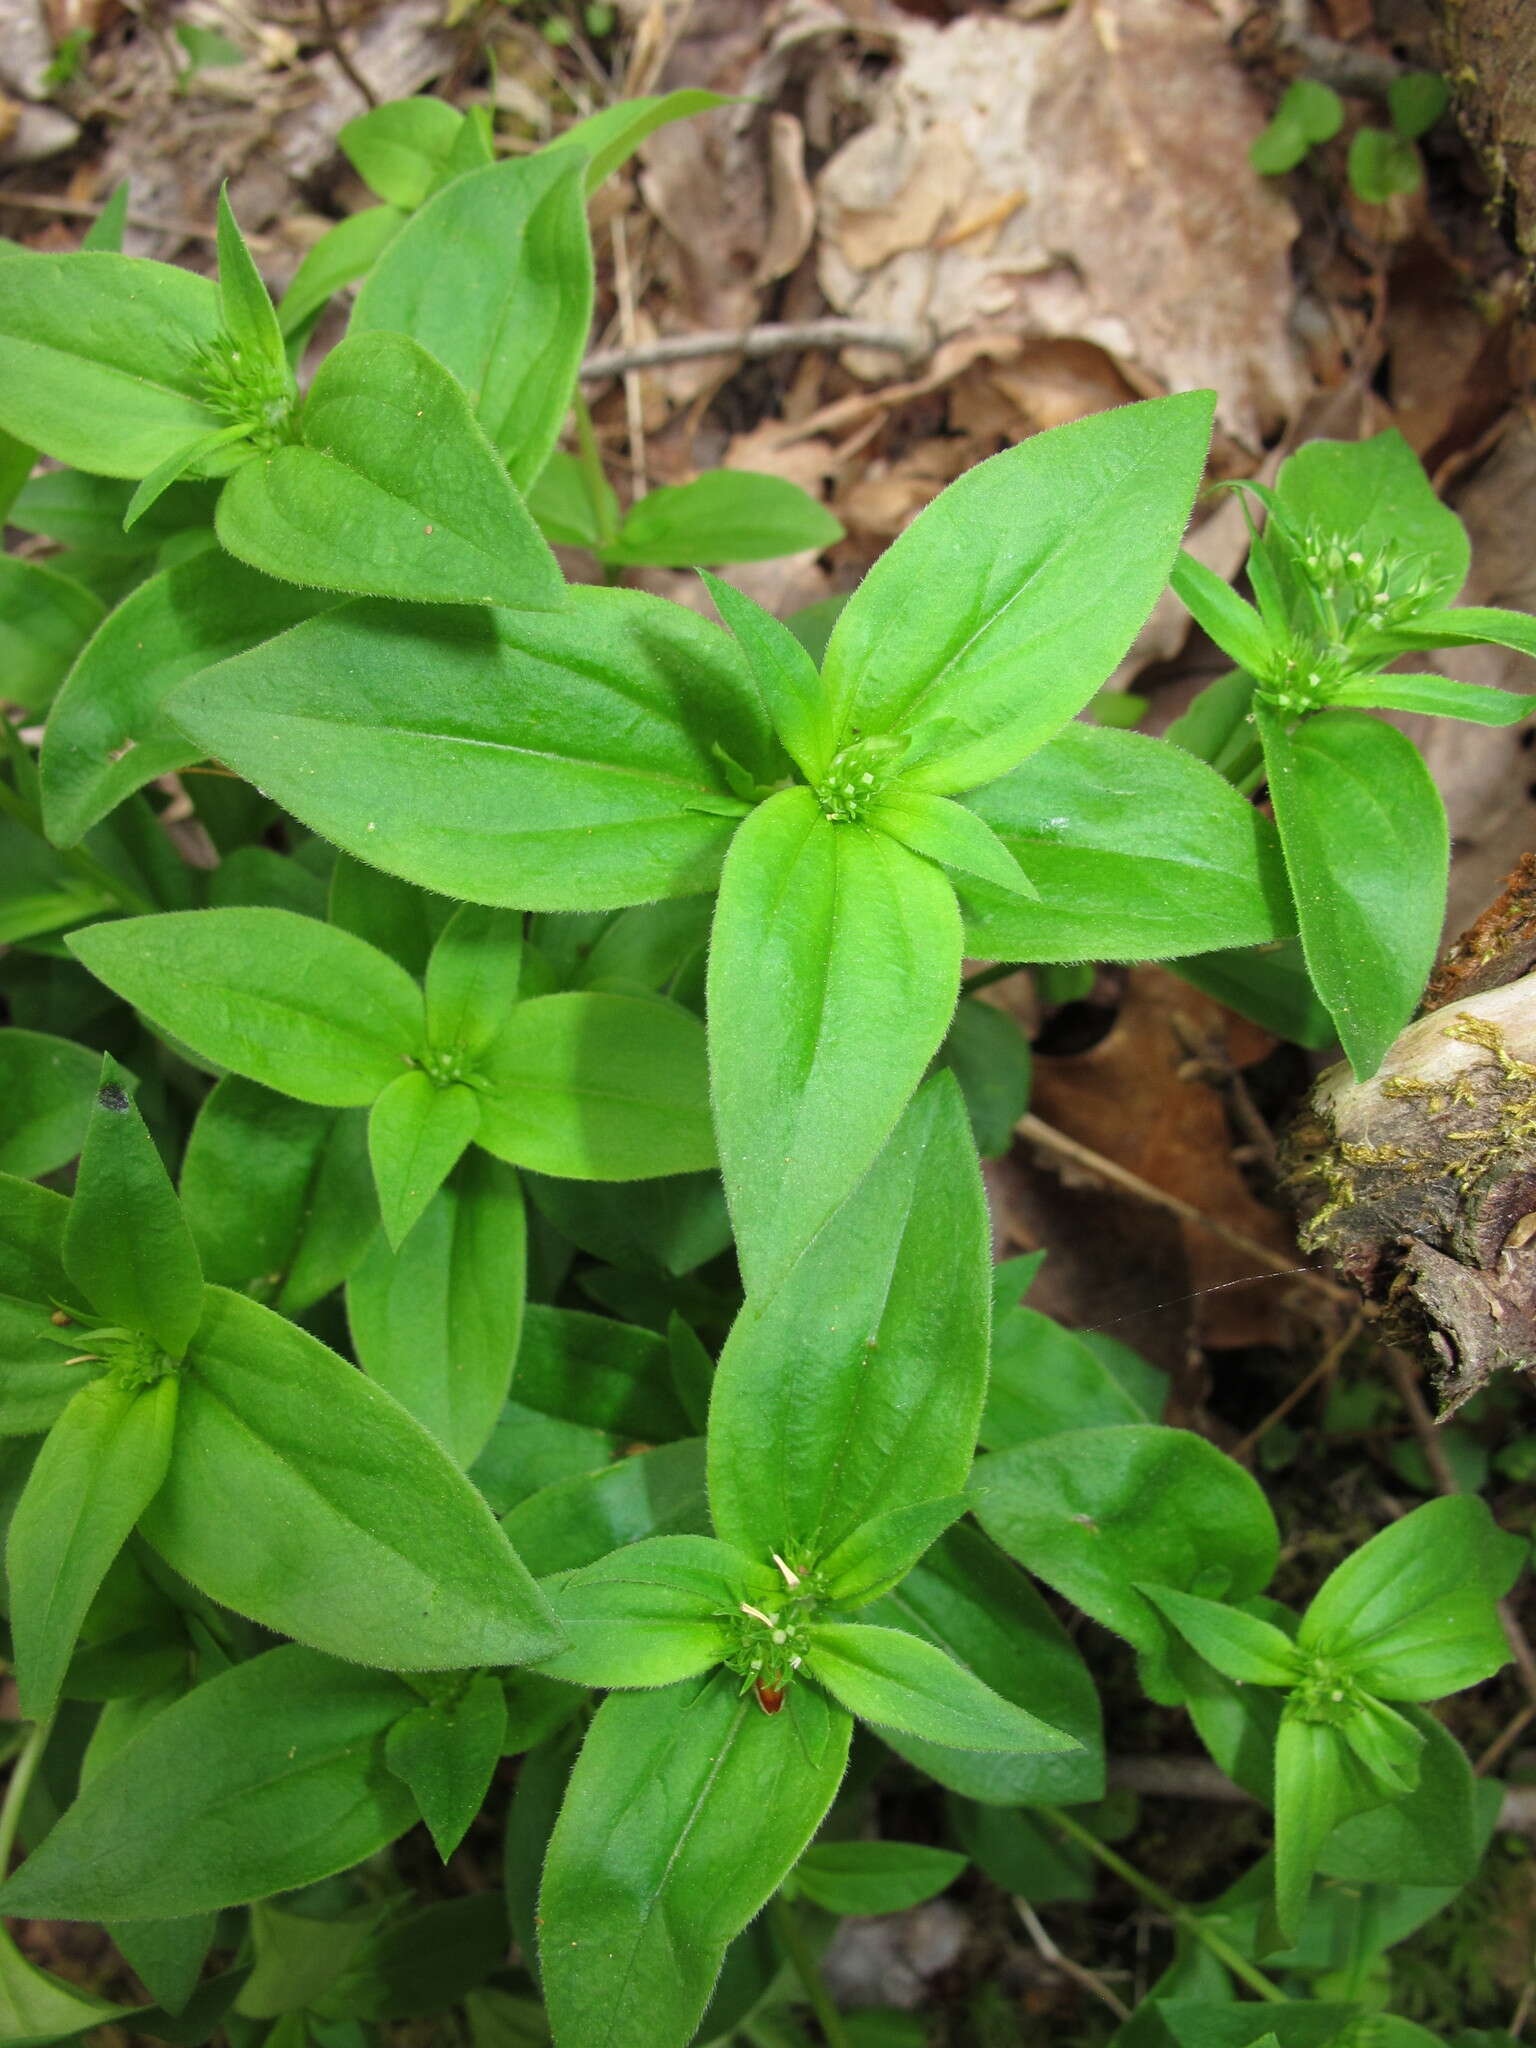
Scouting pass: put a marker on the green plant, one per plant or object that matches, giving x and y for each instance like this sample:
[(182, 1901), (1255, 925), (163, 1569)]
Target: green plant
[(448, 1355), (1382, 162)]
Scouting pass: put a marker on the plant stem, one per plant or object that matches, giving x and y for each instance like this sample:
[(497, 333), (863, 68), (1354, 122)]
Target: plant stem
[(1165, 1902), (592, 470), (787, 1926), (23, 1771)]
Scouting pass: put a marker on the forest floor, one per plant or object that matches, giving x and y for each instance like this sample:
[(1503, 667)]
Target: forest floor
[(1032, 213)]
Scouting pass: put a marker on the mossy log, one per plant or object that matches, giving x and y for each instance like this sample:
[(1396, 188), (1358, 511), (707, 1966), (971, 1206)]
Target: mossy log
[(1421, 1184)]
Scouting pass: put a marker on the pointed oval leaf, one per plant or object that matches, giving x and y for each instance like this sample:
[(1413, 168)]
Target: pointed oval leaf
[(685, 1811), (99, 358), (437, 1321), (447, 1755), (307, 1498), (127, 1246), (1367, 846), (393, 490), (598, 1087), (1001, 609), (47, 1087), (855, 1388), (537, 760), (821, 1021), (284, 1000), (99, 1468), (899, 1681), (417, 1133), (494, 277), (1094, 1511), (268, 1777), (1138, 851), (108, 733)]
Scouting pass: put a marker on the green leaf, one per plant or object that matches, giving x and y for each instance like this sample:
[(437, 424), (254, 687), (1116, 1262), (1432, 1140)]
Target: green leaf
[(98, 359), (126, 1245), (1046, 1379), (106, 230), (437, 1320), (789, 680), (100, 1466), (392, 491), (1231, 621), (400, 149), (685, 1811), (17, 461), (1382, 165), (1412, 1615), (45, 620), (86, 513), (1417, 99), (1280, 147), (1430, 1836), (1318, 1783), (598, 1087), (1271, 986), (1377, 493), (1139, 852), (574, 508), (854, 1389), (987, 1052), (1435, 696), (1243, 1647), (247, 310), (278, 1194), (32, 1225), (167, 1956), (285, 1000), (1314, 107), (952, 837), (880, 1553), (903, 1682), (1468, 625), (969, 1601), (472, 978), (874, 1877), (447, 1753), (37, 2007), (1096, 1512), (652, 1613), (821, 1022), (417, 1133), (494, 277), (993, 618), (536, 760), (305, 1497), (343, 254), (108, 733), (613, 134), (268, 1777), (600, 1373), (47, 1086), (578, 1520), (725, 515), (194, 455), (1367, 846)]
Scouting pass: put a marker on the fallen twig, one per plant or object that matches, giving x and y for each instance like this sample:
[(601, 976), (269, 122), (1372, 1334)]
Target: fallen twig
[(752, 342)]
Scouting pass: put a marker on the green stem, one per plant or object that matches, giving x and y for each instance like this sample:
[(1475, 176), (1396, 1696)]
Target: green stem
[(985, 976), (1165, 1902), (75, 858), (23, 1771), (592, 470), (787, 1926)]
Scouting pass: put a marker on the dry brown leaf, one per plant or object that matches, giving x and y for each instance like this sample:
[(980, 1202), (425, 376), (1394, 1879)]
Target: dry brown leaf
[(1102, 158), (1132, 1098), (791, 206)]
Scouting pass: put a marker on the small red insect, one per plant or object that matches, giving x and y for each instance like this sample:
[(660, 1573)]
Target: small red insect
[(769, 1697)]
